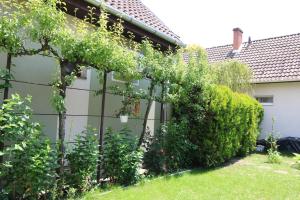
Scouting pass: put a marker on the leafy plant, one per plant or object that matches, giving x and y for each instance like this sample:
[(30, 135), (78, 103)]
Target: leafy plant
[(30, 162), (121, 160), (179, 149), (169, 149), (83, 161), (5, 75), (154, 157), (274, 157), (272, 138), (233, 74)]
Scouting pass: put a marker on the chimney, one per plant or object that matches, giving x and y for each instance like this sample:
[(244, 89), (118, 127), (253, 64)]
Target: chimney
[(237, 38)]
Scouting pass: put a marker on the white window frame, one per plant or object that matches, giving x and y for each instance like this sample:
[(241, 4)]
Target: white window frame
[(265, 96)]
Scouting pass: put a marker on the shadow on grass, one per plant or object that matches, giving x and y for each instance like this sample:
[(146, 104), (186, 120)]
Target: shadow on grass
[(203, 170), (287, 154)]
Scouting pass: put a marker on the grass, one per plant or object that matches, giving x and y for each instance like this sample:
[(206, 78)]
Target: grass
[(248, 178)]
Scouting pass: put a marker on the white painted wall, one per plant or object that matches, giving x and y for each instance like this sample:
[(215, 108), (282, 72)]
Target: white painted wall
[(77, 104), (285, 109), (41, 70)]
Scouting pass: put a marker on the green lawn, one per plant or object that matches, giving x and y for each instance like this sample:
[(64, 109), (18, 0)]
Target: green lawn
[(248, 178)]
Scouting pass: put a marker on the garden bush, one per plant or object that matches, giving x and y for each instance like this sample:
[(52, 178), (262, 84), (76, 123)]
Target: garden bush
[(222, 123), (120, 158), (83, 161), (28, 171), (154, 159), (169, 149), (273, 153), (230, 126)]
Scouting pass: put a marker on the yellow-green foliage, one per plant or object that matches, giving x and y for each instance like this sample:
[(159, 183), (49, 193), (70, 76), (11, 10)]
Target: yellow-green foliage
[(230, 126), (233, 74)]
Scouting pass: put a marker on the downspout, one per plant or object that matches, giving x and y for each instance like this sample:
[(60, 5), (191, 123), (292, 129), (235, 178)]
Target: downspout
[(142, 25)]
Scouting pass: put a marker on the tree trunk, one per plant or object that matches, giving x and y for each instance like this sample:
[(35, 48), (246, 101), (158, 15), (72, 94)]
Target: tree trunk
[(162, 105), (62, 122), (149, 104), (101, 128), (61, 136), (5, 96)]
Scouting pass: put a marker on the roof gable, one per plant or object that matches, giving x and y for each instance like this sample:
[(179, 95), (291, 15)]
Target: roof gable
[(274, 59)]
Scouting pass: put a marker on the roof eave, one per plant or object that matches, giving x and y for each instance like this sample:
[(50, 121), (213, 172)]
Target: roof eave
[(275, 81), (138, 23)]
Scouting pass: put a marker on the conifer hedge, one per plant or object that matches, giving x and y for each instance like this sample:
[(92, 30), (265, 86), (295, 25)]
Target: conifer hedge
[(229, 128), (222, 123)]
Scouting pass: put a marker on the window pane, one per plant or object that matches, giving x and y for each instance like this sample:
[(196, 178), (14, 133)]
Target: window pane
[(265, 99)]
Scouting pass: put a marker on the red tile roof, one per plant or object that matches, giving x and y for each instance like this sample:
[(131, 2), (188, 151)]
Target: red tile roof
[(139, 11), (274, 59)]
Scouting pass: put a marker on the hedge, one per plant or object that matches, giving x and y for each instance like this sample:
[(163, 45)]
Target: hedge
[(229, 128)]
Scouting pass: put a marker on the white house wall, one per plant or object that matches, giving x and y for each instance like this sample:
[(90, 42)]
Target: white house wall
[(35, 70), (83, 107), (285, 108), (113, 104), (77, 104)]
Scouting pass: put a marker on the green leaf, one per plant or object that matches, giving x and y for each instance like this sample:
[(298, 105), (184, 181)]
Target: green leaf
[(18, 147)]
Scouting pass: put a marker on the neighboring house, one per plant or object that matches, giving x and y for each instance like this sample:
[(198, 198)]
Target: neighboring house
[(275, 63), (33, 74)]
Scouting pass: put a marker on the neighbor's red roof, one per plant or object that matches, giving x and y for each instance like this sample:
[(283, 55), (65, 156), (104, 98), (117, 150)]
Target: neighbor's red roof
[(274, 59)]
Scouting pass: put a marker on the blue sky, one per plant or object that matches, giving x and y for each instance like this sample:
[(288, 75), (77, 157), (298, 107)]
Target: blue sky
[(210, 23)]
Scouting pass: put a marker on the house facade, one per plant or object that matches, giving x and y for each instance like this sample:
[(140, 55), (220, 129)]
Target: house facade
[(33, 75), (275, 63)]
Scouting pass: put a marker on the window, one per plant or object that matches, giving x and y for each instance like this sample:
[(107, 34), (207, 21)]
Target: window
[(265, 100), (118, 77)]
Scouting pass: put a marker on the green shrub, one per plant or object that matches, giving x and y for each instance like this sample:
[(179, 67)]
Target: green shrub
[(30, 162), (230, 127), (274, 157), (170, 149), (222, 123), (273, 154), (178, 148), (121, 159), (83, 161), (154, 158)]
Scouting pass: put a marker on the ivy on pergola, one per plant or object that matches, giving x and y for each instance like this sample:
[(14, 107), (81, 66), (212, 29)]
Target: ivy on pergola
[(74, 46)]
